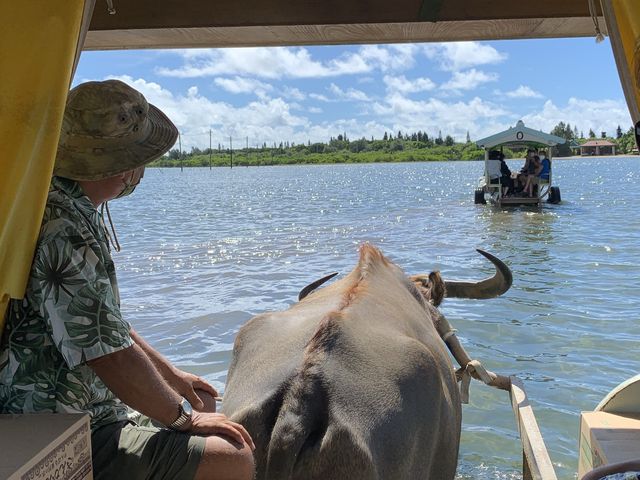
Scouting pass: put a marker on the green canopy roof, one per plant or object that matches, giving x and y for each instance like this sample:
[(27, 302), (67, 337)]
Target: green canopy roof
[(519, 136)]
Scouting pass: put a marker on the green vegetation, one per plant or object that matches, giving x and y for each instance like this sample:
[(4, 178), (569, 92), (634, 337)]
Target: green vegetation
[(625, 142), (416, 147)]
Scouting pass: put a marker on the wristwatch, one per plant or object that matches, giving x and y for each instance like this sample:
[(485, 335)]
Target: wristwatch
[(184, 415)]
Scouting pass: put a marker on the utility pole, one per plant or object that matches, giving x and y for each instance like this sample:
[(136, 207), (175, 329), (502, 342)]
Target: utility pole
[(209, 149), (180, 147), (231, 151), (247, 151)]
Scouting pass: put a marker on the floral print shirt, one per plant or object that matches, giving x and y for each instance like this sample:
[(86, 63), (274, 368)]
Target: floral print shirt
[(70, 315)]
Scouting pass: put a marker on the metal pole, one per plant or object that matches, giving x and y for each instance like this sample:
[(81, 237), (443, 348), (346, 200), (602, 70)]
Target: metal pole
[(180, 147), (247, 151), (209, 149), (231, 151)]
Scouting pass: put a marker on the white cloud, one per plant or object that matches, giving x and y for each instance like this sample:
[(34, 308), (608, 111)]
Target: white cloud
[(403, 85), (275, 62), (468, 80), (523, 92), (433, 115), (458, 56), (391, 57), (288, 62), (278, 119), (295, 93), (598, 115), (261, 120), (242, 85), (317, 96), (349, 93)]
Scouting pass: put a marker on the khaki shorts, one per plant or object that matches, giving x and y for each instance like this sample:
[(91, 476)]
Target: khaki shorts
[(128, 451)]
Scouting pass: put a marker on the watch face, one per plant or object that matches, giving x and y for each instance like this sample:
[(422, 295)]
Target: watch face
[(186, 406)]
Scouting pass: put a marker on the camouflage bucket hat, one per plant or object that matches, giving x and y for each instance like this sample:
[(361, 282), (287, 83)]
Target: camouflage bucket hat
[(109, 128)]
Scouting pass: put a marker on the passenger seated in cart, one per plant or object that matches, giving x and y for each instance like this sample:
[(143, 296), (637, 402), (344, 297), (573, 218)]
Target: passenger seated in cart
[(535, 168), (527, 169), (505, 179), (77, 353), (546, 167)]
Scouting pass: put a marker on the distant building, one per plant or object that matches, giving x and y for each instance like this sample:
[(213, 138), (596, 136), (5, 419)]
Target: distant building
[(574, 147), (598, 147)]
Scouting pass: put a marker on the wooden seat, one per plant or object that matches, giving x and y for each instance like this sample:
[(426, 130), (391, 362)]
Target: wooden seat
[(492, 173)]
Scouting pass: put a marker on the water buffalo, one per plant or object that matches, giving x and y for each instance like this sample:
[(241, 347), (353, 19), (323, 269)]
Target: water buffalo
[(355, 381)]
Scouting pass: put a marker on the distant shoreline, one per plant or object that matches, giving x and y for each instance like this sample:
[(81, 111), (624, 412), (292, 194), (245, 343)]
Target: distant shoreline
[(288, 163)]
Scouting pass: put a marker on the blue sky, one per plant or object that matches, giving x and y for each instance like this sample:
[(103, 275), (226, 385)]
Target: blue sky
[(299, 94)]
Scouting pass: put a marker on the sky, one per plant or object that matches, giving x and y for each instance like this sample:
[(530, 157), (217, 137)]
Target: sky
[(302, 94)]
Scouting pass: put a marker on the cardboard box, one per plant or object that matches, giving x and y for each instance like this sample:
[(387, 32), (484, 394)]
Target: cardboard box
[(45, 447), (607, 438)]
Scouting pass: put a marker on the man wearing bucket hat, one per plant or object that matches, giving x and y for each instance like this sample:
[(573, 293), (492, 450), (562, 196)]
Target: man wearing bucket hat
[(66, 347)]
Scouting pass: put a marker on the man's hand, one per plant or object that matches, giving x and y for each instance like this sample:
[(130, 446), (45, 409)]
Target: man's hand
[(186, 384), (219, 424)]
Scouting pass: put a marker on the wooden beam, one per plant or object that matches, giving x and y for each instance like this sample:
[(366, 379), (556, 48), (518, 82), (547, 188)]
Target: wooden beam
[(536, 462), (339, 34), (163, 14)]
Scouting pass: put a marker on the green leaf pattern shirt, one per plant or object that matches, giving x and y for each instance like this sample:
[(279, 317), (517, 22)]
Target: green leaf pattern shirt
[(70, 314)]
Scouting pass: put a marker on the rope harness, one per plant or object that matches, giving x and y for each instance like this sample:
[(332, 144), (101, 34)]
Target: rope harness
[(468, 368)]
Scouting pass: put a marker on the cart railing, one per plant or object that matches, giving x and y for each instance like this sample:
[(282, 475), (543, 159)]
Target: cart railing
[(536, 464)]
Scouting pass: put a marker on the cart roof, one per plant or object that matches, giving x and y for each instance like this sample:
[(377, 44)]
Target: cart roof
[(226, 23), (519, 136)]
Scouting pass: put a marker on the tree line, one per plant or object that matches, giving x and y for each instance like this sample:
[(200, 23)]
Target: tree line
[(625, 141), (399, 147)]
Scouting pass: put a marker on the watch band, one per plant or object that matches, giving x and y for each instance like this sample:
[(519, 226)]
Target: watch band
[(184, 416)]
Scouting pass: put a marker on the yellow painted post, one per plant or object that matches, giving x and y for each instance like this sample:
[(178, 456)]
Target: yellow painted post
[(40, 40), (623, 26)]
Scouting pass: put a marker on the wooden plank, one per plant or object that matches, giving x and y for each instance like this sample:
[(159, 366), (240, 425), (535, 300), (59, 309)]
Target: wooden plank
[(520, 201), (202, 23), (334, 34), (537, 464), (149, 14)]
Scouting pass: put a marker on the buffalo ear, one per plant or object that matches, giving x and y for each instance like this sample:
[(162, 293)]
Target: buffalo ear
[(431, 287), (438, 289)]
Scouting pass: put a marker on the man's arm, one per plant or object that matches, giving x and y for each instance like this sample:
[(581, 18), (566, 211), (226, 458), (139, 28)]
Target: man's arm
[(183, 383), (132, 377)]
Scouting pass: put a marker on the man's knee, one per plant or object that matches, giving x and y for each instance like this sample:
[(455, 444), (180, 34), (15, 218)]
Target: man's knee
[(225, 460)]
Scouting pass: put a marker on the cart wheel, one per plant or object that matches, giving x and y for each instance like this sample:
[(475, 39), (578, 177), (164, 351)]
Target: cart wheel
[(554, 195), (479, 197)]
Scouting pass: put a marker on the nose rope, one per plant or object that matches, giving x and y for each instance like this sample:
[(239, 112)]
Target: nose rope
[(476, 370), (469, 368), (113, 240), (449, 334)]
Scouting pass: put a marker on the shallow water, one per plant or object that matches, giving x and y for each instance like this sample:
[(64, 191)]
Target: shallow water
[(204, 250)]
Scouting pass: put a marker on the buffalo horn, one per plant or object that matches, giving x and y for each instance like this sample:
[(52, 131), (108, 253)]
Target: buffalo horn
[(487, 288), (312, 286)]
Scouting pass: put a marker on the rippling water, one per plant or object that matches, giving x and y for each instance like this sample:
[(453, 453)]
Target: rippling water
[(204, 250)]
